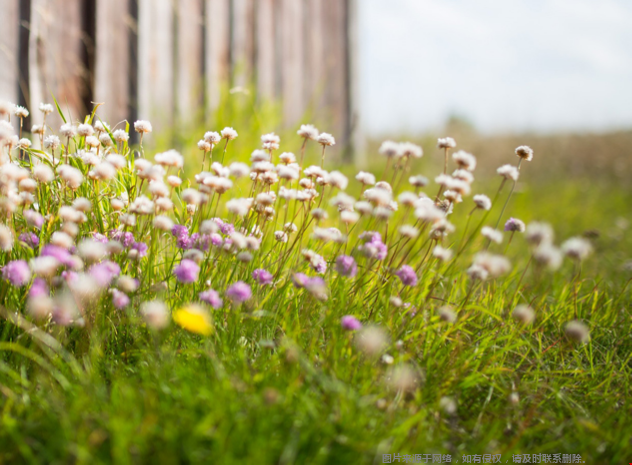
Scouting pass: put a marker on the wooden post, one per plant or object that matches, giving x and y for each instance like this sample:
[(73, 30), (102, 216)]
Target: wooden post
[(292, 61), (55, 59), (9, 50), (112, 86), (217, 51), (156, 63), (242, 42), (189, 60), (266, 65), (314, 54)]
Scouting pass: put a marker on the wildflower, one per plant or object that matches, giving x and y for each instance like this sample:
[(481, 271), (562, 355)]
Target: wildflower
[(390, 149), (194, 319), (71, 176), (448, 405), (46, 108), (577, 248), (299, 280), (408, 231), (6, 239), (270, 141), (163, 223), (407, 275), (402, 378), (30, 239), (482, 201), (441, 253), (44, 266), (538, 233), (346, 266), (447, 314), (495, 265), (508, 172), (187, 271), (326, 139), (577, 331), (239, 292), (477, 273), (39, 288), (239, 170), (120, 135), (316, 287), (408, 149), (418, 181), (52, 142), (372, 340), (238, 207), (229, 133), (120, 300), (212, 137), (350, 323), (24, 143), (463, 175), (170, 158), (68, 130), (127, 283), (524, 314), (446, 143), (525, 152), (262, 276), (492, 234), (514, 225), (142, 126), (464, 160), (211, 297), (17, 272), (338, 180), (62, 239), (20, 111), (104, 273), (308, 131), (155, 313)]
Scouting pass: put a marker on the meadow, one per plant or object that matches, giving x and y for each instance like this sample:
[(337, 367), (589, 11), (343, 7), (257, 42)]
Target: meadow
[(250, 299)]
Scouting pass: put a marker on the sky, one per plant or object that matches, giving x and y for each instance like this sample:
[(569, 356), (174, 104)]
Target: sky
[(504, 65)]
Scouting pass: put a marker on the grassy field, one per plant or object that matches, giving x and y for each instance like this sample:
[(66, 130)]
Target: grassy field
[(440, 366)]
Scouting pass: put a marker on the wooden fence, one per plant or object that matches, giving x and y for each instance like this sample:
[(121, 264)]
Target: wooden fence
[(167, 60)]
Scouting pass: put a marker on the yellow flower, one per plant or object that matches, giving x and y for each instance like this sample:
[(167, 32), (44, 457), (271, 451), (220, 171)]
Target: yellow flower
[(194, 319)]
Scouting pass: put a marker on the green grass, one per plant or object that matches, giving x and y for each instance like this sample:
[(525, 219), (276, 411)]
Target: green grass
[(279, 380)]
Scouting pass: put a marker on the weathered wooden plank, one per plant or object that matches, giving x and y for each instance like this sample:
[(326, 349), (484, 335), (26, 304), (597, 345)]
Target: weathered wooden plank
[(356, 147), (265, 49), (56, 59), (112, 88), (9, 50), (314, 54), (155, 63), (292, 60), (242, 42), (217, 59), (189, 60)]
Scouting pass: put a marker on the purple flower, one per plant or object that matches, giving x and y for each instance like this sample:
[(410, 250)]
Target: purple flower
[(202, 242), (104, 273), (187, 271), (319, 264), (99, 237), (514, 224), (407, 275), (29, 239), (17, 272), (216, 240), (33, 218), (350, 323), (316, 286), (119, 299), (262, 276), (227, 229), (125, 238), (61, 254), (300, 279), (382, 250), (39, 288), (239, 292), (346, 266), (141, 247), (69, 276), (181, 233), (211, 297)]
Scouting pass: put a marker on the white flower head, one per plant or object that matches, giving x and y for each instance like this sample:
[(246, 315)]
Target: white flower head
[(229, 133), (482, 201), (525, 152), (308, 131), (142, 126), (326, 139), (446, 143), (509, 172)]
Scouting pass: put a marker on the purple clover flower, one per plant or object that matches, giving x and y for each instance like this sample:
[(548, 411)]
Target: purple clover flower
[(69, 275), (61, 254), (99, 238), (211, 297), (17, 272), (407, 275), (187, 271), (300, 280), (39, 288), (119, 299), (29, 239), (346, 266), (515, 225), (350, 323), (216, 240), (103, 273), (125, 238), (141, 247), (262, 276), (239, 292), (181, 233)]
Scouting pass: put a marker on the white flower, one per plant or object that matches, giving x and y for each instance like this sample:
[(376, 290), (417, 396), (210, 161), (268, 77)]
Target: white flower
[(239, 206), (70, 175), (577, 248), (116, 160), (408, 149), (378, 196), (6, 239), (238, 170), (408, 231), (287, 158), (326, 139), (477, 273), (68, 130), (365, 178), (213, 138), (308, 132), (91, 250), (52, 142), (142, 126), (170, 158), (441, 253), (463, 175), (524, 314), (106, 140), (495, 265), (141, 206), (492, 234), (537, 233), (155, 313), (446, 143), (349, 217), (390, 149), (508, 172), (120, 135), (163, 223), (482, 201), (105, 171), (229, 133), (46, 108), (286, 172), (525, 152), (44, 266), (418, 181), (85, 130), (339, 180), (464, 160), (577, 331), (20, 111), (82, 204)]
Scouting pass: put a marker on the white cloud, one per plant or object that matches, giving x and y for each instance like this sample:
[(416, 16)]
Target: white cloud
[(524, 64)]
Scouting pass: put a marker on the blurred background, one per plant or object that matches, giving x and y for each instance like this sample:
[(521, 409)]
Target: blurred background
[(554, 74)]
